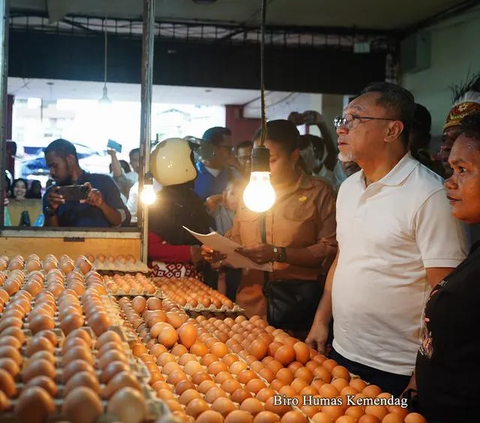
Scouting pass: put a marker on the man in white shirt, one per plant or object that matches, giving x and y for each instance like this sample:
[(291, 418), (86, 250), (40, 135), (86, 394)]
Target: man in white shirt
[(397, 239)]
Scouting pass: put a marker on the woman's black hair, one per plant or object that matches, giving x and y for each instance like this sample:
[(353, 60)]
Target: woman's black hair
[(125, 166), (12, 195), (281, 132), (31, 193), (470, 126)]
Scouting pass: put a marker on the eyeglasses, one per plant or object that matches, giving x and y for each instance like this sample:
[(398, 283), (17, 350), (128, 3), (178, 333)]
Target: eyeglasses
[(351, 121)]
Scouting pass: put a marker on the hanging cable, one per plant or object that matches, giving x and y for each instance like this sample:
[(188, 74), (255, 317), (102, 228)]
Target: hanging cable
[(106, 52), (259, 195), (262, 71)]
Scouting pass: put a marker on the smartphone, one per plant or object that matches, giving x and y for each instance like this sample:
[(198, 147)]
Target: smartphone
[(114, 145), (309, 118), (73, 192)]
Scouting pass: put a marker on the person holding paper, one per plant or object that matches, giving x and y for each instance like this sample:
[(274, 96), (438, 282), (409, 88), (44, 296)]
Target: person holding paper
[(298, 235)]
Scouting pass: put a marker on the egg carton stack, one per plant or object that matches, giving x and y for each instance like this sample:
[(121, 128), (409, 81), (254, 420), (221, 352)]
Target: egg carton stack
[(118, 263), (194, 296), (127, 285), (36, 382)]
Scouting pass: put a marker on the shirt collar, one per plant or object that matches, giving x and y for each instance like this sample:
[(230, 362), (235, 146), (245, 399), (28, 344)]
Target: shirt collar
[(398, 174)]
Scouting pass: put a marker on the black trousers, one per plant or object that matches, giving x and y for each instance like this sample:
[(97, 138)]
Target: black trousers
[(388, 382)]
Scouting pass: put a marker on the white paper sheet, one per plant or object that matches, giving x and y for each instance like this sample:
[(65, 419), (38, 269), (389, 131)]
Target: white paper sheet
[(226, 246)]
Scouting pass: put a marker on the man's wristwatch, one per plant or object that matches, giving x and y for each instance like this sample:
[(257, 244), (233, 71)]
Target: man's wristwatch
[(281, 254), (50, 212)]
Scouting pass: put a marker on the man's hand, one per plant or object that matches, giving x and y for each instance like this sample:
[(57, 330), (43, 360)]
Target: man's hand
[(54, 199), (94, 197), (317, 337), (296, 118), (196, 254), (311, 117), (260, 253), (111, 152)]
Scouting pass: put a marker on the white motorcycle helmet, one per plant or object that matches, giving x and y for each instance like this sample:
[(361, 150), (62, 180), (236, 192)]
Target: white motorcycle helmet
[(171, 162)]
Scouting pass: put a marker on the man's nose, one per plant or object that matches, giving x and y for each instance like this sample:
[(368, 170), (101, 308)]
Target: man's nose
[(342, 130)]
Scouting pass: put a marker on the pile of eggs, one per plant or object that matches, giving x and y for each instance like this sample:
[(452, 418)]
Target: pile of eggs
[(225, 370), (129, 284), (193, 292), (120, 258), (50, 363)]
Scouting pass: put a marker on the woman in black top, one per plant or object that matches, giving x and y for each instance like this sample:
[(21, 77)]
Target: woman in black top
[(448, 362)]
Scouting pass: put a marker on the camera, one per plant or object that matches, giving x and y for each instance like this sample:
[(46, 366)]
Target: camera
[(74, 192)]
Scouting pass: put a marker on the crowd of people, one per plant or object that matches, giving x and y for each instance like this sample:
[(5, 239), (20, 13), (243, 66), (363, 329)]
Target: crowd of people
[(371, 232)]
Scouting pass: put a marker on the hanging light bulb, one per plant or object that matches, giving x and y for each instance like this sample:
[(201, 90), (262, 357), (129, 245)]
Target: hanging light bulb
[(148, 195), (259, 195), (105, 101)]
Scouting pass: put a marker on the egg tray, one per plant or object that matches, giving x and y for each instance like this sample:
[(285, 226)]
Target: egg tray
[(120, 294), (117, 266), (156, 408), (212, 309)]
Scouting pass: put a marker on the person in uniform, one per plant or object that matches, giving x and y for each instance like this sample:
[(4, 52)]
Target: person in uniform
[(297, 235)]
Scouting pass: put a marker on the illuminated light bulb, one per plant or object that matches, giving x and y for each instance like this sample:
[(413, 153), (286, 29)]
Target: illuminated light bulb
[(259, 195), (148, 195)]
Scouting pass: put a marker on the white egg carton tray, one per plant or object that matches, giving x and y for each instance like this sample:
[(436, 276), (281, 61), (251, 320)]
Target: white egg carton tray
[(157, 294), (212, 309), (117, 266)]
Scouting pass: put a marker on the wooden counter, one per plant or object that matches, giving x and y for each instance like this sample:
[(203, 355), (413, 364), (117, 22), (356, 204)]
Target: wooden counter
[(72, 243)]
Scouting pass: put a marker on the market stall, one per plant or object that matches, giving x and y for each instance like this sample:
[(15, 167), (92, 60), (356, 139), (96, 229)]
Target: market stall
[(88, 334)]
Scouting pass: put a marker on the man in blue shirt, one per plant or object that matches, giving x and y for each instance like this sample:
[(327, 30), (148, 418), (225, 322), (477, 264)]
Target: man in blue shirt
[(213, 168), (103, 207)]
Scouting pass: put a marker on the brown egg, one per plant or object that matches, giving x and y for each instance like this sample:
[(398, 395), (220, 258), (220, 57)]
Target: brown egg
[(189, 395), (166, 358), (82, 405), (154, 303), (196, 407), (277, 409), (415, 418), (41, 322), (34, 405), (44, 382), (11, 341), (38, 344), (41, 367), (110, 356), (7, 351), (187, 334), (84, 378), (224, 406), (4, 402), (72, 342), (81, 333), (77, 353), (119, 381), (266, 417), (239, 416), (183, 386), (128, 405), (10, 366), (7, 383), (205, 386), (99, 322), (176, 376), (109, 336), (168, 337), (240, 395), (252, 406), (209, 416), (71, 322), (199, 377), (285, 355)]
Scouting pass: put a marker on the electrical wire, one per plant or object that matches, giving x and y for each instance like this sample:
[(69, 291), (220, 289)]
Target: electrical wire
[(262, 71), (106, 54)]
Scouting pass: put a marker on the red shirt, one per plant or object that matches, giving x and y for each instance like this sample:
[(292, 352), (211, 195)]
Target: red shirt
[(158, 251)]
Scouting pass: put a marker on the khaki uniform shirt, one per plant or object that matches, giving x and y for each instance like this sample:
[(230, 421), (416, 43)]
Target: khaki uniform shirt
[(303, 216)]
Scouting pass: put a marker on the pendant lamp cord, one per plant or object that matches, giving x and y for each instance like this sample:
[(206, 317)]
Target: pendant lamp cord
[(106, 52), (262, 72)]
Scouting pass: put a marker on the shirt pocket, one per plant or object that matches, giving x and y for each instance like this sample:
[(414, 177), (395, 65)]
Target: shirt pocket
[(298, 226), (249, 228)]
